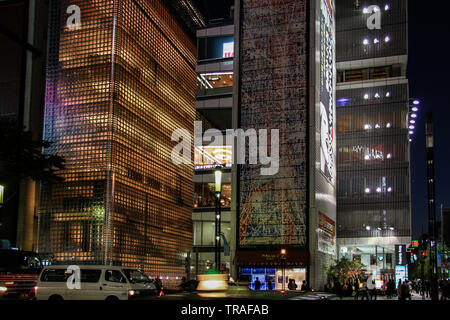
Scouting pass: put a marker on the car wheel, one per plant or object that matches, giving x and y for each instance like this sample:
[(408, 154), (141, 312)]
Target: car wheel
[(55, 297), (112, 298)]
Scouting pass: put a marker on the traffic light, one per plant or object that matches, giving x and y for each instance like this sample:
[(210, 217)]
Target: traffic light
[(283, 254), (412, 257)]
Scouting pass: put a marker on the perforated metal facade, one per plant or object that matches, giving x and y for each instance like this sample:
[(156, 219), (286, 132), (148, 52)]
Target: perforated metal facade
[(372, 130), (117, 87), (352, 30)]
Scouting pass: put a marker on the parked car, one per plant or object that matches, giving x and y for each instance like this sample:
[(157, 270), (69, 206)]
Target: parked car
[(96, 283)]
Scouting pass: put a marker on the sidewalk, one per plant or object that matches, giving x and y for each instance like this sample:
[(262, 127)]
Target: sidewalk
[(414, 296)]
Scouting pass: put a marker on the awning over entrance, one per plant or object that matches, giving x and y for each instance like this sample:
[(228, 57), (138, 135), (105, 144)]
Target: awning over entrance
[(294, 257)]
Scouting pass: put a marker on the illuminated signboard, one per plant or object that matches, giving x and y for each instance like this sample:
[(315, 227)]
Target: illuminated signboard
[(401, 273), (326, 234), (327, 105), (415, 244), (400, 255), (228, 49)]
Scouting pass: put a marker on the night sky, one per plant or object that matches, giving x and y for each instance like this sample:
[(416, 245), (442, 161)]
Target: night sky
[(428, 73)]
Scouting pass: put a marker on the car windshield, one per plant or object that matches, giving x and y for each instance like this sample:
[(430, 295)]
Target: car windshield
[(136, 276)]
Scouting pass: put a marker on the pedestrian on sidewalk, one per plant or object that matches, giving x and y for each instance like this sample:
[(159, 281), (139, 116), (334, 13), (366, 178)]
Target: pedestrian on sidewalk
[(270, 285), (338, 288), (372, 288), (445, 290), (364, 293), (356, 288), (390, 288), (257, 284), (428, 288)]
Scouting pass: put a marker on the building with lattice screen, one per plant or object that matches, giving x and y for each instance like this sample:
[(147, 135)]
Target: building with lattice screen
[(120, 79)]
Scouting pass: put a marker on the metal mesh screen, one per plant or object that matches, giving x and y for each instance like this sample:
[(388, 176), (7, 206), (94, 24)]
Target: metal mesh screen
[(117, 88), (373, 162), (352, 30)]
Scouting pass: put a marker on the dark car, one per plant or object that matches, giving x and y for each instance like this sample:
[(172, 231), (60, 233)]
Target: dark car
[(19, 271)]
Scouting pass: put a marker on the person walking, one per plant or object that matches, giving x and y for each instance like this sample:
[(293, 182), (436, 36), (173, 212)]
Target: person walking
[(372, 288), (390, 288), (338, 288), (364, 293), (447, 290), (427, 288), (304, 286), (405, 292), (423, 289), (257, 284), (269, 284), (356, 288), (292, 285)]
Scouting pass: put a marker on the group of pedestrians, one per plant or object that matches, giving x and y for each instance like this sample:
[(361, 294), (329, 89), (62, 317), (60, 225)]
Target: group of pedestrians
[(291, 285)]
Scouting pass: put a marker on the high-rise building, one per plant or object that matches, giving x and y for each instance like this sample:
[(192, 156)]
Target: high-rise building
[(285, 78), (214, 111), (373, 212), (120, 80), (445, 226)]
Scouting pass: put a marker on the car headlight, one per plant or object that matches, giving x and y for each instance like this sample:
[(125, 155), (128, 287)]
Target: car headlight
[(3, 289)]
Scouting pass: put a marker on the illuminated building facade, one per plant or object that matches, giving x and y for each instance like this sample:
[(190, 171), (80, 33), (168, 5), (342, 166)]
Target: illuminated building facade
[(285, 73), (214, 108), (121, 78), (374, 212)]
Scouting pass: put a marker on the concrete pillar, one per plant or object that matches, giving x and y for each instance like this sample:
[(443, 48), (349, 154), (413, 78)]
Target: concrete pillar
[(25, 223)]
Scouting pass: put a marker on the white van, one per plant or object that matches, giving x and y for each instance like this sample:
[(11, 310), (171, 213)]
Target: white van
[(96, 283)]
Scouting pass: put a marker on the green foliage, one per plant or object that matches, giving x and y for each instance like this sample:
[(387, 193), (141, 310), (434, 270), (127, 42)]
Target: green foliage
[(21, 156), (344, 269)]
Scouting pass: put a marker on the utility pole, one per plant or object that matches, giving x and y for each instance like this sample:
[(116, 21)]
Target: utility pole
[(432, 232)]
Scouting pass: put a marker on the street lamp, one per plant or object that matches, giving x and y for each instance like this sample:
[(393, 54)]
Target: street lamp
[(218, 188), (283, 262)]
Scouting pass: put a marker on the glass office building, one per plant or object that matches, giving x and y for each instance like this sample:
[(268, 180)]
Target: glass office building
[(120, 79), (374, 213), (214, 109)]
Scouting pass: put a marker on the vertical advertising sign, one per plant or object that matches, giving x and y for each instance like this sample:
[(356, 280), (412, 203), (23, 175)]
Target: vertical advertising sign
[(327, 104), (400, 255), (326, 234), (273, 95)]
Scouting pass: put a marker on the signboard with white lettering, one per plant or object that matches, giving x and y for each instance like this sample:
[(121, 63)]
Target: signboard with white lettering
[(401, 273), (400, 255)]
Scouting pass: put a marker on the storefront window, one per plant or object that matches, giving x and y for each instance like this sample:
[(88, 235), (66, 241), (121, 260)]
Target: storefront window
[(208, 157), (215, 80), (215, 47), (204, 233), (275, 276), (205, 195)]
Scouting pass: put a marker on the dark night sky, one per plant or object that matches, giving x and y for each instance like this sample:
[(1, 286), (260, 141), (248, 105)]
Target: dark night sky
[(428, 73)]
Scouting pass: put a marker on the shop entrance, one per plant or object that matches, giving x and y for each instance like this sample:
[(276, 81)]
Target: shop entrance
[(275, 276)]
